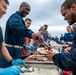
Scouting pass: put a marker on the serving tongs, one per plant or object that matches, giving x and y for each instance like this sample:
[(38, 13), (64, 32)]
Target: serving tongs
[(43, 43), (28, 68)]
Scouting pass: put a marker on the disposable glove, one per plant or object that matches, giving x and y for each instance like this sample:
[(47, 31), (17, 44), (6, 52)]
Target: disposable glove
[(48, 40), (13, 70), (29, 47), (18, 62)]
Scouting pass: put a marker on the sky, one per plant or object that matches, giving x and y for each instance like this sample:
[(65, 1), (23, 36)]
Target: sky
[(42, 12)]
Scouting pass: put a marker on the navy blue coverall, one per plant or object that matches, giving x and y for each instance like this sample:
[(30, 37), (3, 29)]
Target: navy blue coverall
[(62, 38), (67, 61), (15, 34), (68, 37)]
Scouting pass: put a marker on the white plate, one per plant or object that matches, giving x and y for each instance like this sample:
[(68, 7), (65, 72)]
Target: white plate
[(59, 45), (42, 51)]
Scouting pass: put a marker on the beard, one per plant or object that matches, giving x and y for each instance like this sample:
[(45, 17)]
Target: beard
[(72, 20), (23, 14)]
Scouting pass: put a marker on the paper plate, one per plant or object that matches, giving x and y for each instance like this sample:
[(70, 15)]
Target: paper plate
[(42, 51)]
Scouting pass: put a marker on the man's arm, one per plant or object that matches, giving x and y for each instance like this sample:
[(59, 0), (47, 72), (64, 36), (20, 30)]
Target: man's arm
[(9, 58), (66, 61), (17, 25), (5, 53), (19, 29)]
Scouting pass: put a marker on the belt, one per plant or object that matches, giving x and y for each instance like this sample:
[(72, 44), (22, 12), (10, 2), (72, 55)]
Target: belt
[(14, 46)]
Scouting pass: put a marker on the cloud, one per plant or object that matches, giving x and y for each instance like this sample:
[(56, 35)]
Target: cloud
[(42, 12)]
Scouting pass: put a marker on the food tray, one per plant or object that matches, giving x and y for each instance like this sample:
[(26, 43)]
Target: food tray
[(42, 71), (38, 62), (39, 67)]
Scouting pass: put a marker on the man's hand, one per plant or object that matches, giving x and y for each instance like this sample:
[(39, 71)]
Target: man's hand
[(62, 42), (18, 62), (67, 49), (13, 70), (37, 37), (48, 47), (69, 43), (50, 55)]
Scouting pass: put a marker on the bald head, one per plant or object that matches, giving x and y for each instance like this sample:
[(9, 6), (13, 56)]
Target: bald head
[(24, 4), (24, 9)]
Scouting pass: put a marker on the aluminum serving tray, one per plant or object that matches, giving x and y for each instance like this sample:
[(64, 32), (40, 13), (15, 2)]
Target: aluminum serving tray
[(40, 64)]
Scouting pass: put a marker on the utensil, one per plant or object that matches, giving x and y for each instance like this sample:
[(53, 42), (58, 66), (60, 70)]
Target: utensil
[(44, 43), (26, 69), (29, 69)]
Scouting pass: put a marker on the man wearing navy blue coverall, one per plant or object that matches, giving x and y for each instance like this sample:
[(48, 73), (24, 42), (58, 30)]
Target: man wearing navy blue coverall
[(67, 61), (68, 35), (16, 32), (62, 37)]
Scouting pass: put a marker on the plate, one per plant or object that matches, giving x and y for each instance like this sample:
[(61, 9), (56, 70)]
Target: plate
[(42, 51), (59, 45)]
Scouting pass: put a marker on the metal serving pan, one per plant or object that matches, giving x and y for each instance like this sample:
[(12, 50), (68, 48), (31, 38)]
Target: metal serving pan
[(42, 68), (40, 64)]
